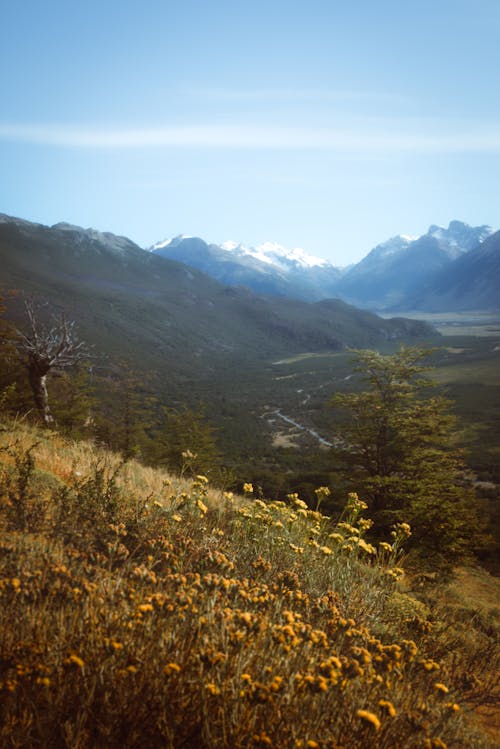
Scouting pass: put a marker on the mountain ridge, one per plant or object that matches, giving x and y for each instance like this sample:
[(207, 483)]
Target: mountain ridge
[(385, 279), (164, 307), (404, 273)]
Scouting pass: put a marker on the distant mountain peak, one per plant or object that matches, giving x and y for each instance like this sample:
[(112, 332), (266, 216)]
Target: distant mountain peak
[(229, 245), (111, 242), (277, 254), (295, 255), (392, 246), (270, 253), (460, 235), (171, 241)]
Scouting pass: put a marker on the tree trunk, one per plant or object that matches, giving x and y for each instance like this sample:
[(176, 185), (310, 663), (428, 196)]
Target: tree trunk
[(38, 382)]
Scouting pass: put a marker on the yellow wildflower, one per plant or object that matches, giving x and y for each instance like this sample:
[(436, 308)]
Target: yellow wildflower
[(212, 689), (366, 547), (430, 665), (355, 503), (248, 488), (276, 684), (410, 648), (75, 660), (171, 668), (402, 530), (336, 536), (262, 739), (369, 718), (388, 707), (201, 506), (384, 546), (300, 503), (441, 688)]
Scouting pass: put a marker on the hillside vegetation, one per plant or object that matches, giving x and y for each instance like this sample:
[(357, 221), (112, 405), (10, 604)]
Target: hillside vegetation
[(142, 610)]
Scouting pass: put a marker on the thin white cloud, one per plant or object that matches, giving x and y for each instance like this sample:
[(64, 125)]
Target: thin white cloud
[(391, 139), (298, 96)]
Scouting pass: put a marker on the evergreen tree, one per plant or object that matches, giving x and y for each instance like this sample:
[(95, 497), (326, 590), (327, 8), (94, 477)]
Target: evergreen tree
[(73, 401), (187, 441), (400, 454), (124, 420), (15, 391)]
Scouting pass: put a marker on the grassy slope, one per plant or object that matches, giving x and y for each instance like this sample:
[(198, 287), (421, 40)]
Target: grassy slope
[(131, 614)]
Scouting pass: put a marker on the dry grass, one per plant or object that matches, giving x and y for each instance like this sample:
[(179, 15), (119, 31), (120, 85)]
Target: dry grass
[(467, 611), (141, 610)]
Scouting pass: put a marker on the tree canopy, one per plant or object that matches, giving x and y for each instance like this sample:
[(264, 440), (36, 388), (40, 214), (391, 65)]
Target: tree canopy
[(400, 453)]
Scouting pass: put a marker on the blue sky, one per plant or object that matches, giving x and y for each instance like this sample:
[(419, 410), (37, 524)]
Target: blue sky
[(325, 125)]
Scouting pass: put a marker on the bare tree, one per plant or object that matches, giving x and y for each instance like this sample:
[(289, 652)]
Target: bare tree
[(47, 348)]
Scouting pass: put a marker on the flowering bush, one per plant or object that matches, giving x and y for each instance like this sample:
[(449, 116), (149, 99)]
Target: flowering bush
[(168, 615)]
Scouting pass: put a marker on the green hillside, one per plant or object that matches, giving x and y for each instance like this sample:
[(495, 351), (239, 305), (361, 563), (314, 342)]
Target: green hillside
[(160, 313), (185, 337)]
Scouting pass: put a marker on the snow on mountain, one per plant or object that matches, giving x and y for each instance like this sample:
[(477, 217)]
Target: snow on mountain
[(459, 237), (297, 256), (392, 246), (271, 253), (392, 271), (267, 268), (167, 242)]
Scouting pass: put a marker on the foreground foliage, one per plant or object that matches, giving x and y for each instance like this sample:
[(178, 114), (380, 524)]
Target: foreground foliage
[(142, 611), (399, 447)]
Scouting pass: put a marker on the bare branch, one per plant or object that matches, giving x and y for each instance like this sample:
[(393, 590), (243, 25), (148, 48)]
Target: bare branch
[(57, 347)]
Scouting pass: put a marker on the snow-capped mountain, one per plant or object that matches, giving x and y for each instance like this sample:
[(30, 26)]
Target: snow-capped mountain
[(271, 253), (393, 271), (446, 268), (387, 278), (471, 282), (268, 268), (459, 237), (276, 254)]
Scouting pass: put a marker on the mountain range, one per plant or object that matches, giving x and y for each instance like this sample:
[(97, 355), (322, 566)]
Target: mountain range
[(268, 268), (256, 361), (166, 316), (402, 274)]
